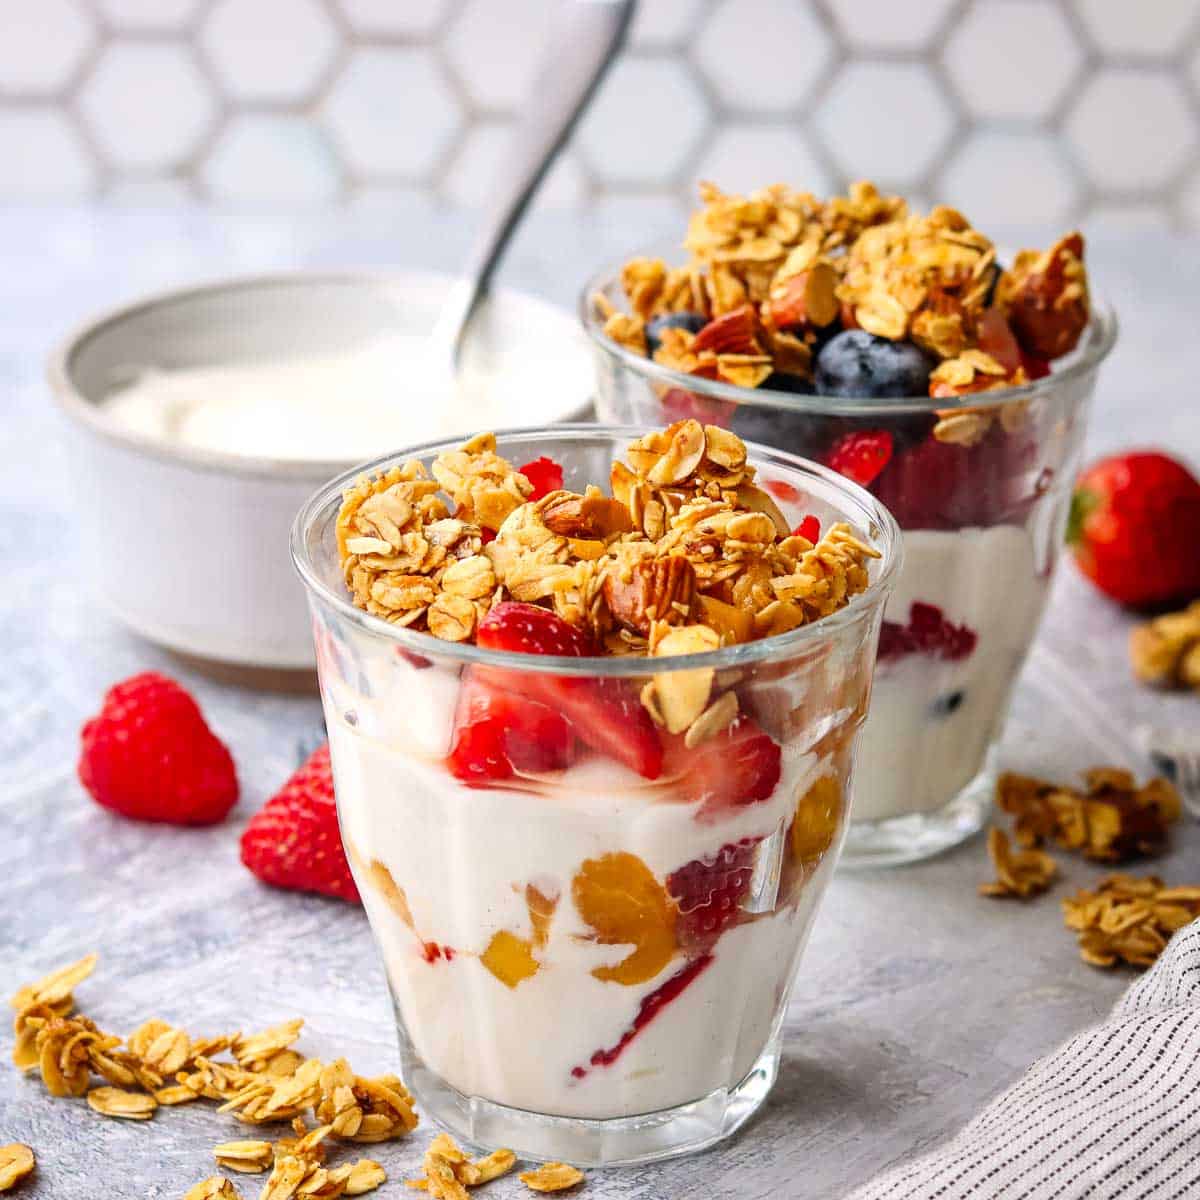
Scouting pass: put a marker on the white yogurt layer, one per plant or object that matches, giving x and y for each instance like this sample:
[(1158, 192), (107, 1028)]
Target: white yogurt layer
[(463, 858), (916, 753), (347, 407)]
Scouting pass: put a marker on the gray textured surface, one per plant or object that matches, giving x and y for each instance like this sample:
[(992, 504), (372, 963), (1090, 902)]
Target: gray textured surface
[(917, 999)]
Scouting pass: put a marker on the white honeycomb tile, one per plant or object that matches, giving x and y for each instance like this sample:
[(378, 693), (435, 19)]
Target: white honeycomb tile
[(885, 121), (391, 111), (42, 45), (1004, 179), (1124, 219), (273, 50), (762, 55), (1017, 59), (1131, 129), (472, 173), (146, 104), (645, 122), (664, 22), (160, 16), (276, 157), (394, 18), (742, 158), (888, 25), (1147, 27), (494, 49), (54, 161)]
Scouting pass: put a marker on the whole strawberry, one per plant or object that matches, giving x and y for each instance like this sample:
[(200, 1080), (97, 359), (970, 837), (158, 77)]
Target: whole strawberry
[(149, 755), (1135, 529), (293, 840)]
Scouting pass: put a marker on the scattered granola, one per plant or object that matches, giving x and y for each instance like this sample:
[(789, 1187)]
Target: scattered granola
[(772, 274), (551, 1177), (1110, 821), (1023, 873), (687, 554), (1166, 650), (268, 1081), (449, 1171), (16, 1161), (1129, 919)]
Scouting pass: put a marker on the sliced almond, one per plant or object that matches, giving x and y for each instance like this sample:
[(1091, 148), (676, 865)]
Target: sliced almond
[(679, 697)]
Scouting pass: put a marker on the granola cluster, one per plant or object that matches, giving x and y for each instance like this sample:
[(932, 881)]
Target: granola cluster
[(686, 540), (1126, 919), (1165, 651), (1111, 820), (772, 274), (262, 1081)]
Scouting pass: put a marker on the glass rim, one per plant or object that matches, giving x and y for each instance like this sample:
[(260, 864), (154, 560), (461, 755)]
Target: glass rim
[(1099, 337), (888, 541)]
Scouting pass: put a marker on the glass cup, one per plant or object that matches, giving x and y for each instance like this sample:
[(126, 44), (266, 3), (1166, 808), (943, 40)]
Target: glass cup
[(983, 517), (591, 962)]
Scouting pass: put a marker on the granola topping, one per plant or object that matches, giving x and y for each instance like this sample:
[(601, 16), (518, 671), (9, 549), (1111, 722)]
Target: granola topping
[(772, 272), (1128, 919), (1165, 651), (687, 541)]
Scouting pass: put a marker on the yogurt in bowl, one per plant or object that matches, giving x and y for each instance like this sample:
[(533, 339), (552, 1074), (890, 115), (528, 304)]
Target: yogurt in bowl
[(216, 410)]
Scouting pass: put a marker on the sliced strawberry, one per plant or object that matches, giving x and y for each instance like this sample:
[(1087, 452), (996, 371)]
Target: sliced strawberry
[(862, 455), (740, 765), (709, 891), (809, 528), (604, 713), (545, 474), (927, 632), (498, 732)]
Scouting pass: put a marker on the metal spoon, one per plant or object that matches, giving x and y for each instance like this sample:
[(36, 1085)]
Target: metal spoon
[(584, 39)]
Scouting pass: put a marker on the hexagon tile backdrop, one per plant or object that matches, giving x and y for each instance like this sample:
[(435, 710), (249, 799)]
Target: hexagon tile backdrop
[(1019, 111)]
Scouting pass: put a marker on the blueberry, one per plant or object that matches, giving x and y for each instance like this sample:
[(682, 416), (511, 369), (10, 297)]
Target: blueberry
[(857, 363), (943, 706), (805, 433), (692, 322)]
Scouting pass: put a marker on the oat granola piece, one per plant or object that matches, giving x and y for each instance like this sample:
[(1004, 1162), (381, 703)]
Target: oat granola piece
[(365, 1176), (1165, 651), (213, 1188), (54, 990), (249, 1157), (363, 1110), (16, 1162), (1023, 873), (115, 1102), (1128, 919), (551, 1177)]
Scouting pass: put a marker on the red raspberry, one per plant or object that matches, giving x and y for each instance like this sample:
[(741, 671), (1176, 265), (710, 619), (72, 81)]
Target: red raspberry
[(149, 755), (293, 840), (545, 474), (709, 892), (809, 528), (862, 455)]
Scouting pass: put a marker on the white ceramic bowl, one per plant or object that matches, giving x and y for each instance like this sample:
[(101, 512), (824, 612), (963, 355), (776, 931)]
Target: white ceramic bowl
[(189, 546)]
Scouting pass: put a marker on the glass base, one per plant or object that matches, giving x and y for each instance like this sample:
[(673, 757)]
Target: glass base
[(916, 836), (617, 1141)]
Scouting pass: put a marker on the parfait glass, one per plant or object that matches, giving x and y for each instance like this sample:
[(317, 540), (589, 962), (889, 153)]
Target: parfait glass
[(592, 962), (981, 486)]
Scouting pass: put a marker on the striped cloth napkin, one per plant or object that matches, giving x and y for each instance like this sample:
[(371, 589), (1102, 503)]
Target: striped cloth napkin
[(1114, 1113)]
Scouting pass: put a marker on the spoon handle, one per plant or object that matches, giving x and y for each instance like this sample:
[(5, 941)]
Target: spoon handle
[(584, 39)]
